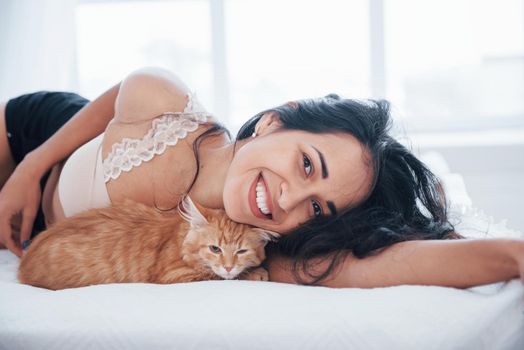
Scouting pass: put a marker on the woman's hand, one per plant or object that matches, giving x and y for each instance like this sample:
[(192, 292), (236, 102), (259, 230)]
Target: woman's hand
[(20, 196)]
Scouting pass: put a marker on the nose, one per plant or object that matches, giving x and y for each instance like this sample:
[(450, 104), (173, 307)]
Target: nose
[(291, 196), (228, 268)]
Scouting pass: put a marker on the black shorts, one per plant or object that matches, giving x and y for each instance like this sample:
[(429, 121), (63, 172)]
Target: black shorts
[(32, 119)]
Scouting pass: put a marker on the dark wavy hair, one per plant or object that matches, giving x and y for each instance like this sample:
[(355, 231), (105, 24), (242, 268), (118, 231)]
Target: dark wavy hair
[(406, 201)]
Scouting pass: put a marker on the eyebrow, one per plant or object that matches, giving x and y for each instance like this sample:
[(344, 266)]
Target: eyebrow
[(332, 207), (325, 175)]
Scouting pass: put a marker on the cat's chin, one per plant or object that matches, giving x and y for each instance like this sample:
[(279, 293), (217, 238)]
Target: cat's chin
[(229, 277), (226, 276)]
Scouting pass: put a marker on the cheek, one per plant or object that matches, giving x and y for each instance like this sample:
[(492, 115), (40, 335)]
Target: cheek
[(250, 259), (235, 195), (230, 197), (209, 257), (243, 169)]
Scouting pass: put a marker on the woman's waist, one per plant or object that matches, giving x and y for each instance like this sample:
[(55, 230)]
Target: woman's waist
[(77, 184), (51, 207)]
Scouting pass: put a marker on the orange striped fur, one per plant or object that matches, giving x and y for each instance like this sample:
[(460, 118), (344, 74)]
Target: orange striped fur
[(131, 242)]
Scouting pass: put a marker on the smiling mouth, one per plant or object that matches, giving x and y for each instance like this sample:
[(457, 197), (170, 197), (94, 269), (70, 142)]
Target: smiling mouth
[(259, 200)]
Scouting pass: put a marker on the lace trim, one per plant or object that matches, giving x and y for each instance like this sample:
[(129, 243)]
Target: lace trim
[(475, 223), (165, 131)]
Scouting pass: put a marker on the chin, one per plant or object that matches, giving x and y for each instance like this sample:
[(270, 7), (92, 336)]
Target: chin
[(234, 214), (229, 209)]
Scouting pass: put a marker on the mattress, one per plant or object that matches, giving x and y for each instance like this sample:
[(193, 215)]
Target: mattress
[(266, 315)]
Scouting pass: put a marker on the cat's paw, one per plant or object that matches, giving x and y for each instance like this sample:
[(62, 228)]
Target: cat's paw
[(258, 274)]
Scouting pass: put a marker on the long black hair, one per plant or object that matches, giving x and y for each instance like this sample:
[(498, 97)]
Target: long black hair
[(406, 201)]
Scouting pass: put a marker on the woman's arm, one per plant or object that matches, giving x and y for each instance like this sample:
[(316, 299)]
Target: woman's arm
[(21, 192), (87, 123), (451, 263), (142, 95)]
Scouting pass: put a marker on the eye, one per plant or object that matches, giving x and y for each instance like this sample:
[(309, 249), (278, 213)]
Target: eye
[(215, 249), (317, 209), (241, 251), (308, 167)]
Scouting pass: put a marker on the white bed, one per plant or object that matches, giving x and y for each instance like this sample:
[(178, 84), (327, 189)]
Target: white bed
[(263, 315)]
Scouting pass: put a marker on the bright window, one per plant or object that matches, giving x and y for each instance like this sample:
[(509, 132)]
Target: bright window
[(456, 64), (283, 50), (444, 64), (117, 37)]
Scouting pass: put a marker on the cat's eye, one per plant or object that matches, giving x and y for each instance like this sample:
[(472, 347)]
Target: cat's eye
[(241, 251), (215, 249)]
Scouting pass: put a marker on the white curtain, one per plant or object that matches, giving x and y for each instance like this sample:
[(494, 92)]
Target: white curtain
[(37, 46)]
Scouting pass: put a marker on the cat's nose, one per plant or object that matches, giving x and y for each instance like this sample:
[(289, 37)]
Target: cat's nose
[(228, 268)]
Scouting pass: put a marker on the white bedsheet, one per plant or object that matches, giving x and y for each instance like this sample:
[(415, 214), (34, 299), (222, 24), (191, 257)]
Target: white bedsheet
[(264, 315)]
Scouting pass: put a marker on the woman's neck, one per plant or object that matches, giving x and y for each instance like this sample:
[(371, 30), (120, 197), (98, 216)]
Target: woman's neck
[(215, 156)]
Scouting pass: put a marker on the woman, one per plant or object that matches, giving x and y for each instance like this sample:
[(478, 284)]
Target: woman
[(324, 173)]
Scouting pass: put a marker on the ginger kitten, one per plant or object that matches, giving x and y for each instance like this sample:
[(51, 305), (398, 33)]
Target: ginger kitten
[(132, 242)]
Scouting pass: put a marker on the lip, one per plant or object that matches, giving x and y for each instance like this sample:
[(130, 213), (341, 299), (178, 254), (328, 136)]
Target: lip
[(252, 198)]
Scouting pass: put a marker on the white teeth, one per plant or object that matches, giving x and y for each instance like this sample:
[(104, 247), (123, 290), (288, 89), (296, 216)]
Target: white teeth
[(261, 198)]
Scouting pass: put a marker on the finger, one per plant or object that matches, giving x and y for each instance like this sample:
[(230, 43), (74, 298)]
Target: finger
[(28, 219), (12, 246), (9, 242)]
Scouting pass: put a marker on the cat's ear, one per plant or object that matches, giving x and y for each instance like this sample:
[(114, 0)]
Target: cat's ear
[(267, 235), (189, 212)]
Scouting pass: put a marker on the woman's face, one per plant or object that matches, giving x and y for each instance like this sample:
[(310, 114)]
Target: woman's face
[(282, 178)]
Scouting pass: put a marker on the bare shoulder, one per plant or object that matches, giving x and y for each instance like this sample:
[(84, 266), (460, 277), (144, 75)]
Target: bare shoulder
[(145, 94), (149, 92)]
